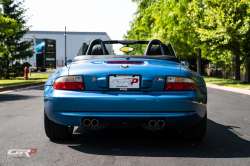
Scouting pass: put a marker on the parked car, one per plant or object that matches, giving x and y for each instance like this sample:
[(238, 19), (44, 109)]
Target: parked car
[(153, 91)]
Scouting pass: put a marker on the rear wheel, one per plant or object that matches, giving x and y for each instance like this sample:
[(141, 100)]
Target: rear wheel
[(195, 132), (56, 131)]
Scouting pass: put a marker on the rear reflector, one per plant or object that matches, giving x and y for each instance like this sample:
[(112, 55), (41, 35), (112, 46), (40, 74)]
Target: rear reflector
[(179, 84), (69, 83), (127, 62)]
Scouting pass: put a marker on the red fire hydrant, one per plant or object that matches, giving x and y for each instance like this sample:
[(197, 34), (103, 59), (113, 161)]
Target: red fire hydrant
[(26, 71)]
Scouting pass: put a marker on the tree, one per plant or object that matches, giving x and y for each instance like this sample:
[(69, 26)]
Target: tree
[(5, 28), (215, 29), (141, 26), (168, 21), (226, 26), (14, 49)]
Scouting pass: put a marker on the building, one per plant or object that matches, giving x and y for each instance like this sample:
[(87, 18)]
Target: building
[(31, 60), (45, 54), (74, 40)]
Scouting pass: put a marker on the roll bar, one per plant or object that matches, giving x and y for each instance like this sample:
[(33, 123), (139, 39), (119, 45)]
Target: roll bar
[(93, 43), (155, 41)]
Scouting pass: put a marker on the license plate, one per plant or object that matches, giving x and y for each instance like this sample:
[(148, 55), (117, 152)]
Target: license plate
[(124, 82)]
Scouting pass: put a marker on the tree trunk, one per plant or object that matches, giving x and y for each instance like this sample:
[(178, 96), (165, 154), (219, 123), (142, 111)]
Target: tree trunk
[(199, 61), (7, 76), (236, 66), (248, 72)]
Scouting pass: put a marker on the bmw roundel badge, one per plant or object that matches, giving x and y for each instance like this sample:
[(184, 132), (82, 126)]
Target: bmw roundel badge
[(93, 79)]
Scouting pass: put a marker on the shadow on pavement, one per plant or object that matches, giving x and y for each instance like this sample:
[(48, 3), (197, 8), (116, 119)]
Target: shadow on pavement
[(13, 96), (219, 142)]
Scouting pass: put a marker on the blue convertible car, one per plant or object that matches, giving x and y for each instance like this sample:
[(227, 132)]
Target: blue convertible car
[(153, 91)]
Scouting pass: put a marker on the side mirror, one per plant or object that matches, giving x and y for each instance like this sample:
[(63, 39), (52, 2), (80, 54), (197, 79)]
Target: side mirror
[(185, 63), (68, 62)]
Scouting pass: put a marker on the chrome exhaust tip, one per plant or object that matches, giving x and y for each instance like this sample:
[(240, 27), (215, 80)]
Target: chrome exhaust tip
[(152, 123), (161, 123), (86, 122), (94, 122)]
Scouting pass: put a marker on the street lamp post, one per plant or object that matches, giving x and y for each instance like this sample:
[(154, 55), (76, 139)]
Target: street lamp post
[(65, 35)]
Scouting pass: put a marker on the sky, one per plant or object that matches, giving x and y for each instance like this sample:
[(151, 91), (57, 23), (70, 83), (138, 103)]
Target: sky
[(111, 16)]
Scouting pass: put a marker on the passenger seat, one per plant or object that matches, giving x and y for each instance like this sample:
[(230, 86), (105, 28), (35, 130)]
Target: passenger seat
[(97, 50)]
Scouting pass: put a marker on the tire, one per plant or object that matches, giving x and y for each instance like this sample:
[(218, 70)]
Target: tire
[(56, 131), (195, 132)]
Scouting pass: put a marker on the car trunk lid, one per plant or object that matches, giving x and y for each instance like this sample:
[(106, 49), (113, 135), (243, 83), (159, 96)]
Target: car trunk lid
[(151, 74)]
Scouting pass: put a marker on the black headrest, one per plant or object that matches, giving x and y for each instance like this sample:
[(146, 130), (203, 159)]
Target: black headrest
[(155, 50), (97, 42), (97, 50)]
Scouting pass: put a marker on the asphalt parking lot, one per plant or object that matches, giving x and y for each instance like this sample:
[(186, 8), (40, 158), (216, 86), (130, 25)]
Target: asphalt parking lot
[(227, 141)]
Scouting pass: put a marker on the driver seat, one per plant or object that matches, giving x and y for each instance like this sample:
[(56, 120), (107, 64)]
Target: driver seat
[(97, 50), (152, 49), (155, 50)]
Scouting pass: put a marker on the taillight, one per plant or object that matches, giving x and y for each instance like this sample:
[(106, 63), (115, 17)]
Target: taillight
[(128, 62), (69, 83), (179, 84)]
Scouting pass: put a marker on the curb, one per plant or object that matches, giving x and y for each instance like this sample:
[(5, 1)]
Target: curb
[(14, 87), (230, 89)]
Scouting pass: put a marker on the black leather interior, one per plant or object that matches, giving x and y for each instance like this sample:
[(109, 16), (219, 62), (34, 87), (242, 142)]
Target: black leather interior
[(97, 47), (155, 50), (166, 49), (97, 50)]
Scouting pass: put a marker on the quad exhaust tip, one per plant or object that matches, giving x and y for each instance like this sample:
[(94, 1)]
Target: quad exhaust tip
[(160, 123), (94, 122), (154, 123), (86, 122), (89, 122)]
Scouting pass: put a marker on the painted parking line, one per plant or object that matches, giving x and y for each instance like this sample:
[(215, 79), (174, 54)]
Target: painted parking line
[(230, 89)]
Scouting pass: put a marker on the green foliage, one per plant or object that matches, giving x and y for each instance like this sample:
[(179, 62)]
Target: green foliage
[(18, 69), (219, 28), (6, 28), (167, 21), (12, 49), (225, 27)]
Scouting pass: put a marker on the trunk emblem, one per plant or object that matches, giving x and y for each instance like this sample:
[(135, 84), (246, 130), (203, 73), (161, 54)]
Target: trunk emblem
[(124, 66), (159, 79), (93, 79)]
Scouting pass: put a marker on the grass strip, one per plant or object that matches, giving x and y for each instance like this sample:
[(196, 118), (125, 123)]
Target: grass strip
[(226, 82), (35, 77)]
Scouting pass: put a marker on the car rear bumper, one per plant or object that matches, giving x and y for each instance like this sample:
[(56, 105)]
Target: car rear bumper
[(177, 108)]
